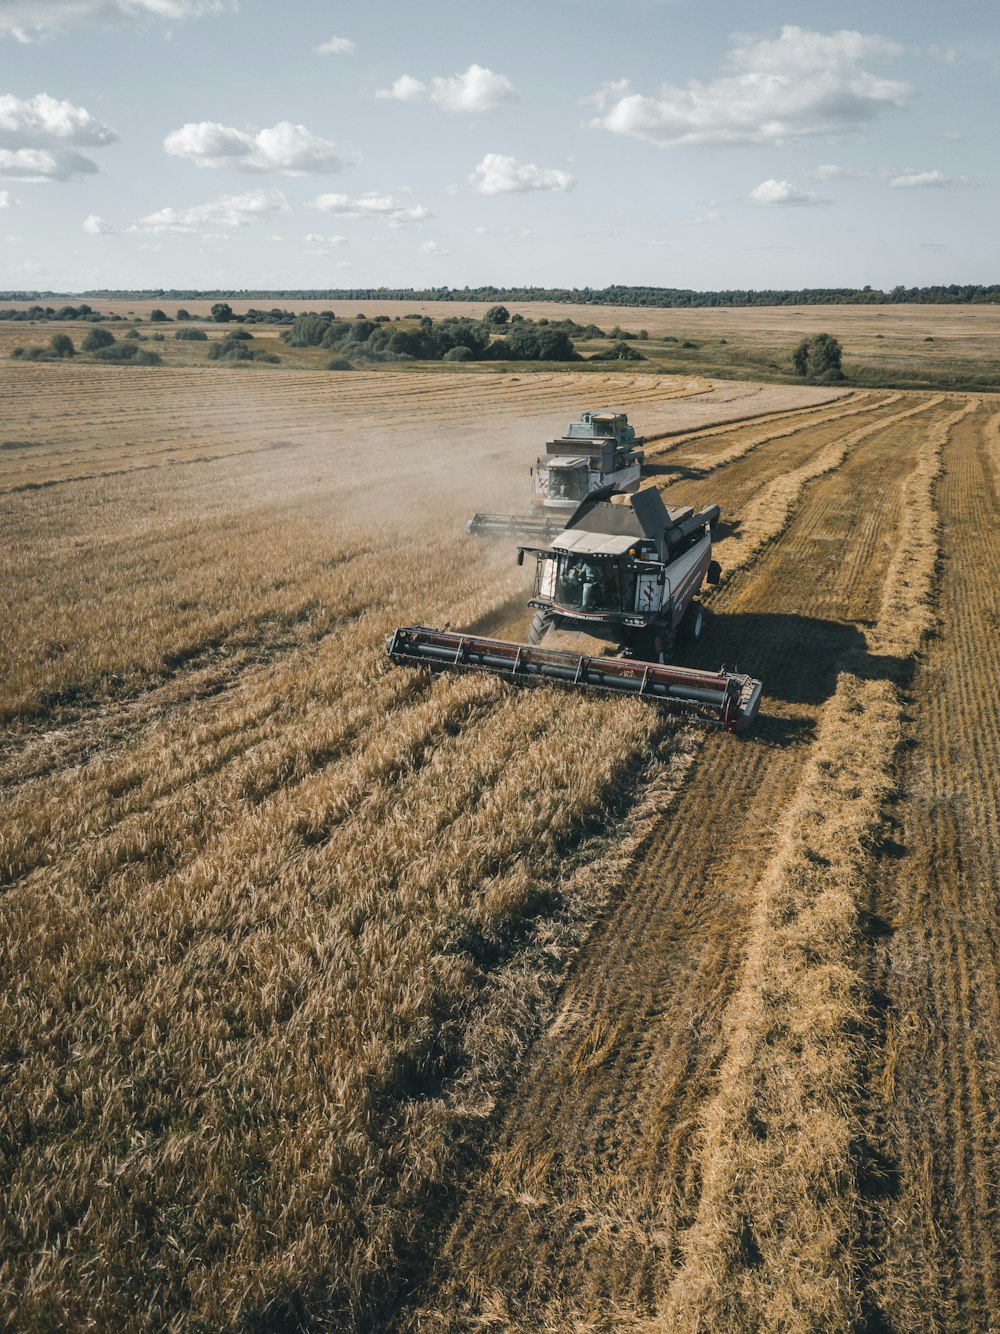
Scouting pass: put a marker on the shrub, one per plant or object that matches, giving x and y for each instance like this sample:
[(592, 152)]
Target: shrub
[(158, 317), (61, 345), (339, 364), (497, 315), (182, 314), (458, 354), (240, 334), (261, 354), (222, 312), (96, 339), (191, 335), (621, 351)]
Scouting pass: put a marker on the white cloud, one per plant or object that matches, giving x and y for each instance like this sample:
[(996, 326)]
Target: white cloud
[(478, 89), (6, 199), (432, 248), (371, 205), (799, 84), (227, 211), (284, 149), (43, 122), (28, 20), (39, 137), (317, 238), (831, 171), (336, 46), (499, 174), (915, 180), (702, 219), (96, 226), (780, 194), (40, 164)]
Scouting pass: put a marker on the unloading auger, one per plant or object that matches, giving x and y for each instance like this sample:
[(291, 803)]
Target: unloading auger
[(627, 574)]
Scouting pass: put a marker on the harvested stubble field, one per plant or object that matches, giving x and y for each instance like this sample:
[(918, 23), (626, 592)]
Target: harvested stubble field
[(339, 998)]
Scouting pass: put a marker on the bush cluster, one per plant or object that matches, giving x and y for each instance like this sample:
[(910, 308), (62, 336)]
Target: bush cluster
[(452, 339), (36, 313), (60, 346), (232, 349), (129, 354)]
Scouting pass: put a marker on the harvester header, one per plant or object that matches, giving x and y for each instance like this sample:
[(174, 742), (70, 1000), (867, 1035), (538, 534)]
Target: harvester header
[(728, 699)]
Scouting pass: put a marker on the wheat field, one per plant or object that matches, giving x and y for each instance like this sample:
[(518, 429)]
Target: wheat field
[(336, 997)]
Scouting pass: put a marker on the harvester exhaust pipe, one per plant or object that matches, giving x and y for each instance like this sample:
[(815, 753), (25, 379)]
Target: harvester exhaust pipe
[(728, 699)]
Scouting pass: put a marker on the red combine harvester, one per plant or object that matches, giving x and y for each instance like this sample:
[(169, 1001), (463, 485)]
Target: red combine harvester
[(626, 575)]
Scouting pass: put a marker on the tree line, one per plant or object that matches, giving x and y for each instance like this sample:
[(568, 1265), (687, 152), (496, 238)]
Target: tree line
[(614, 295)]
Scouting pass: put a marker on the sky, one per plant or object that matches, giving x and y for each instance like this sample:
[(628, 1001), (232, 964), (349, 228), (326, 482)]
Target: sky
[(249, 144)]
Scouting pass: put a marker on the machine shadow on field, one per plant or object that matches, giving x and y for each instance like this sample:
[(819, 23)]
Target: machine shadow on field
[(798, 658), (676, 471)]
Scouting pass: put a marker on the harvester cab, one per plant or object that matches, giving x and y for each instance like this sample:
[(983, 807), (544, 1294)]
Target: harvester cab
[(599, 450), (626, 574)]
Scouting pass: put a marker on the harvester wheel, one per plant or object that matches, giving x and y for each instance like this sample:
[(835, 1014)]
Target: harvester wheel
[(692, 624), (539, 626)]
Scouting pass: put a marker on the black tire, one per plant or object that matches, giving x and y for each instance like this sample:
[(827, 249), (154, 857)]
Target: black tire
[(649, 646), (692, 624), (539, 627)]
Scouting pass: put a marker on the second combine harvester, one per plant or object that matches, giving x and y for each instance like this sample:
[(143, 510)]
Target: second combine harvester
[(625, 574)]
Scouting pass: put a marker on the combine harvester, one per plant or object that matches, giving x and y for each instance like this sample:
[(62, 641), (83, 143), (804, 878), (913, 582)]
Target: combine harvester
[(599, 450), (625, 574)]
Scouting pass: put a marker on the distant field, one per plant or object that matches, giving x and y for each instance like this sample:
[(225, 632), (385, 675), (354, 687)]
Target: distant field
[(906, 346), (340, 998)]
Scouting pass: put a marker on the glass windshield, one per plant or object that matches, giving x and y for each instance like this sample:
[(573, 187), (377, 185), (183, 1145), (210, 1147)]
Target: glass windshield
[(567, 483), (588, 583)]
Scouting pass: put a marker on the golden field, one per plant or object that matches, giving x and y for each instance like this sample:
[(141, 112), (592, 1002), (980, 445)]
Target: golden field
[(340, 998)]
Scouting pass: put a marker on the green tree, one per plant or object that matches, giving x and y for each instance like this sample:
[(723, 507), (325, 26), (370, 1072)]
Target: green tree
[(222, 312), (307, 331), (819, 358), (497, 316)]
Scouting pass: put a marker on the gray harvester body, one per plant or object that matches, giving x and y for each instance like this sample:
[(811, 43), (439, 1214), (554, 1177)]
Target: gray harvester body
[(626, 574), (599, 450)]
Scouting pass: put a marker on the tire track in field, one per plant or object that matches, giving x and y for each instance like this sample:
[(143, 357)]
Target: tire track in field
[(705, 450), (591, 1182), (938, 1223)]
